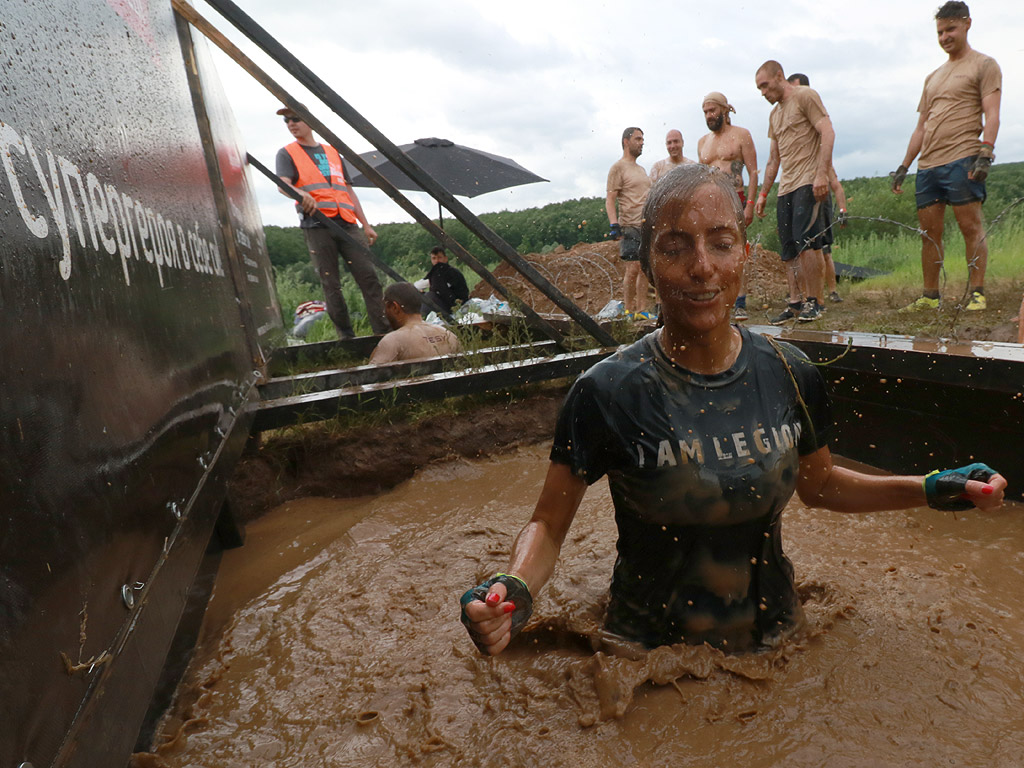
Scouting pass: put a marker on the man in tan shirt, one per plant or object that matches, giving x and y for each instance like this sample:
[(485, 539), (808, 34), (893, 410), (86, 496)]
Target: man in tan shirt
[(801, 143), (627, 188), (730, 149), (674, 145), (411, 339), (953, 163), (799, 78)]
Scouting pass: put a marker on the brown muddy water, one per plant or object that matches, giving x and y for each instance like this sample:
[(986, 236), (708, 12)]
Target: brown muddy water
[(334, 640)]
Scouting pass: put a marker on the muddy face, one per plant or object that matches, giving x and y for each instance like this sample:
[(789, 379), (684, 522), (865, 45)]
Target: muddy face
[(697, 256), (350, 652)]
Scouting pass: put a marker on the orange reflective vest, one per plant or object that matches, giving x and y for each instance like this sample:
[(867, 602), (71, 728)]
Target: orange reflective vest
[(332, 198)]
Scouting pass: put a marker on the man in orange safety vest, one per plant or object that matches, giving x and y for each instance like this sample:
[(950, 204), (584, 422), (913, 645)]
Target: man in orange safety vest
[(315, 171)]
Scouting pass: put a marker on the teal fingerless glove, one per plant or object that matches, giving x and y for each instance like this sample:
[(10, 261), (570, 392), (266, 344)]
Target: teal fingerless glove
[(517, 593), (944, 490)]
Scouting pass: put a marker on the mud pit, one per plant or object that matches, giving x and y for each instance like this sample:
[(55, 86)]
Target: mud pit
[(341, 644)]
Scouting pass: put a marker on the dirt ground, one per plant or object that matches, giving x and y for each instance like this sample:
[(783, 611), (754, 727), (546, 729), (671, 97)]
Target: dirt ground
[(591, 275)]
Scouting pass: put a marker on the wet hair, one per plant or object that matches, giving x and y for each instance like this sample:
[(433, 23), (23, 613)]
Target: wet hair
[(771, 68), (682, 184), (954, 9), (406, 296), (437, 249), (628, 133), (799, 78)]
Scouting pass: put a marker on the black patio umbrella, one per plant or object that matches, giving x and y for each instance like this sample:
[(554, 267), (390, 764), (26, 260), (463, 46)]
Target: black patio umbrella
[(461, 170)]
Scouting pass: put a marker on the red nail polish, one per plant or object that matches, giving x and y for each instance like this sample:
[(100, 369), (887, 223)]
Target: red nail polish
[(988, 490), (493, 599), (509, 607)]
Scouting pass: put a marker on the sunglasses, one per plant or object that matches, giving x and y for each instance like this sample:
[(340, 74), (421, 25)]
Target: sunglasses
[(292, 119)]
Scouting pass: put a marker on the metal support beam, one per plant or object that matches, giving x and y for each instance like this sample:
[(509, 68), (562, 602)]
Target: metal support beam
[(319, 381), (319, 406), (385, 146)]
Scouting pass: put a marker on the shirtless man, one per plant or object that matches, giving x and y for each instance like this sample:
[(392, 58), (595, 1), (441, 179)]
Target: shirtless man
[(731, 149), (674, 145), (627, 188)]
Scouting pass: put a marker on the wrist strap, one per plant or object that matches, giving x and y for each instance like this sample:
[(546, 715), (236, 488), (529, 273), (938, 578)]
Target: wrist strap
[(510, 576)]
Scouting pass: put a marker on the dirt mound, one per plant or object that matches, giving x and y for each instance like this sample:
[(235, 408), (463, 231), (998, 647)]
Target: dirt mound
[(591, 275)]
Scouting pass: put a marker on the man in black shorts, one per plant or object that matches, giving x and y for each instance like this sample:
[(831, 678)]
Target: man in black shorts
[(799, 78), (628, 184), (801, 143)]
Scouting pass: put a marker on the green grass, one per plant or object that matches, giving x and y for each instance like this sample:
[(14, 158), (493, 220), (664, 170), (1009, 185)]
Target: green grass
[(900, 255)]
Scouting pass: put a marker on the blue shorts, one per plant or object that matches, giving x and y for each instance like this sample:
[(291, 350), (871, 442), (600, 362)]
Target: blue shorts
[(948, 184), (629, 245)]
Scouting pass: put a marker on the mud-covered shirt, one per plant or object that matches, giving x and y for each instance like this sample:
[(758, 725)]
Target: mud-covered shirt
[(699, 468)]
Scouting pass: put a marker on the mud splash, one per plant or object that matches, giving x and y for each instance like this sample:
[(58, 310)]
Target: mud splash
[(341, 645)]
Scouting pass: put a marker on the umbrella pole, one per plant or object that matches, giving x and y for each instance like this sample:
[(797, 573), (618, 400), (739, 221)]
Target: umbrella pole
[(440, 216)]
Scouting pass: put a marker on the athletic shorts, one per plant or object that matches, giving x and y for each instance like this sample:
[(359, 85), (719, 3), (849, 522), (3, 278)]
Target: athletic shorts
[(629, 245), (804, 223), (948, 184)]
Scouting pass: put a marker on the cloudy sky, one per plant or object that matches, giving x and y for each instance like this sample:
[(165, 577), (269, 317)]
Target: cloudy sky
[(552, 83)]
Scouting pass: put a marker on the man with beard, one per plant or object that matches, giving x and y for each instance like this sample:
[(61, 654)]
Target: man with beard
[(674, 145), (730, 149), (802, 137), (627, 188)]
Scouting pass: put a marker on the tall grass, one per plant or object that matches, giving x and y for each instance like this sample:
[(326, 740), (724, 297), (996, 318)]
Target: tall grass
[(900, 254)]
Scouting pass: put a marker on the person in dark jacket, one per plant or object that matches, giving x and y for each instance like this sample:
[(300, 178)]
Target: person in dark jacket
[(447, 285)]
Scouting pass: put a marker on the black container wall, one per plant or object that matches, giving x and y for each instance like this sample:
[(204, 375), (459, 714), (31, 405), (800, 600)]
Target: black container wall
[(135, 308)]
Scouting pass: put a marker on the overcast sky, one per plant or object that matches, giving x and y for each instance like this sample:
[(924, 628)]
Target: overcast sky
[(552, 83)]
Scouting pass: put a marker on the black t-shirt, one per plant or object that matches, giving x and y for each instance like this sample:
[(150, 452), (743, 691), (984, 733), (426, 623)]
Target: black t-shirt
[(285, 167), (699, 468), (448, 284)]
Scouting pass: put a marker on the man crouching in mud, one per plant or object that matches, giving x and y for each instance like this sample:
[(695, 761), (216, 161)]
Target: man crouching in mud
[(704, 431)]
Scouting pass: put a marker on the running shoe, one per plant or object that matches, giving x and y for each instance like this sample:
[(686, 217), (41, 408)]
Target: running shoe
[(835, 298), (977, 301), (739, 314), (921, 303), (810, 312), (784, 316)]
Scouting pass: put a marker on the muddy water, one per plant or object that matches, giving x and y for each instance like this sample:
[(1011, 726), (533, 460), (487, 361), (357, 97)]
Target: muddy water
[(341, 645)]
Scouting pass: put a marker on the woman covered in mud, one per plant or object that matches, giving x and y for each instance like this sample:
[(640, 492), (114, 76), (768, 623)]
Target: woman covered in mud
[(704, 430)]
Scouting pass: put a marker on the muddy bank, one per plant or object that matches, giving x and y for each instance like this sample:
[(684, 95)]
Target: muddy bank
[(342, 645), (343, 461)]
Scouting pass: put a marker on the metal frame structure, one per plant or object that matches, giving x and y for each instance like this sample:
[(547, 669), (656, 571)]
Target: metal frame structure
[(390, 150)]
